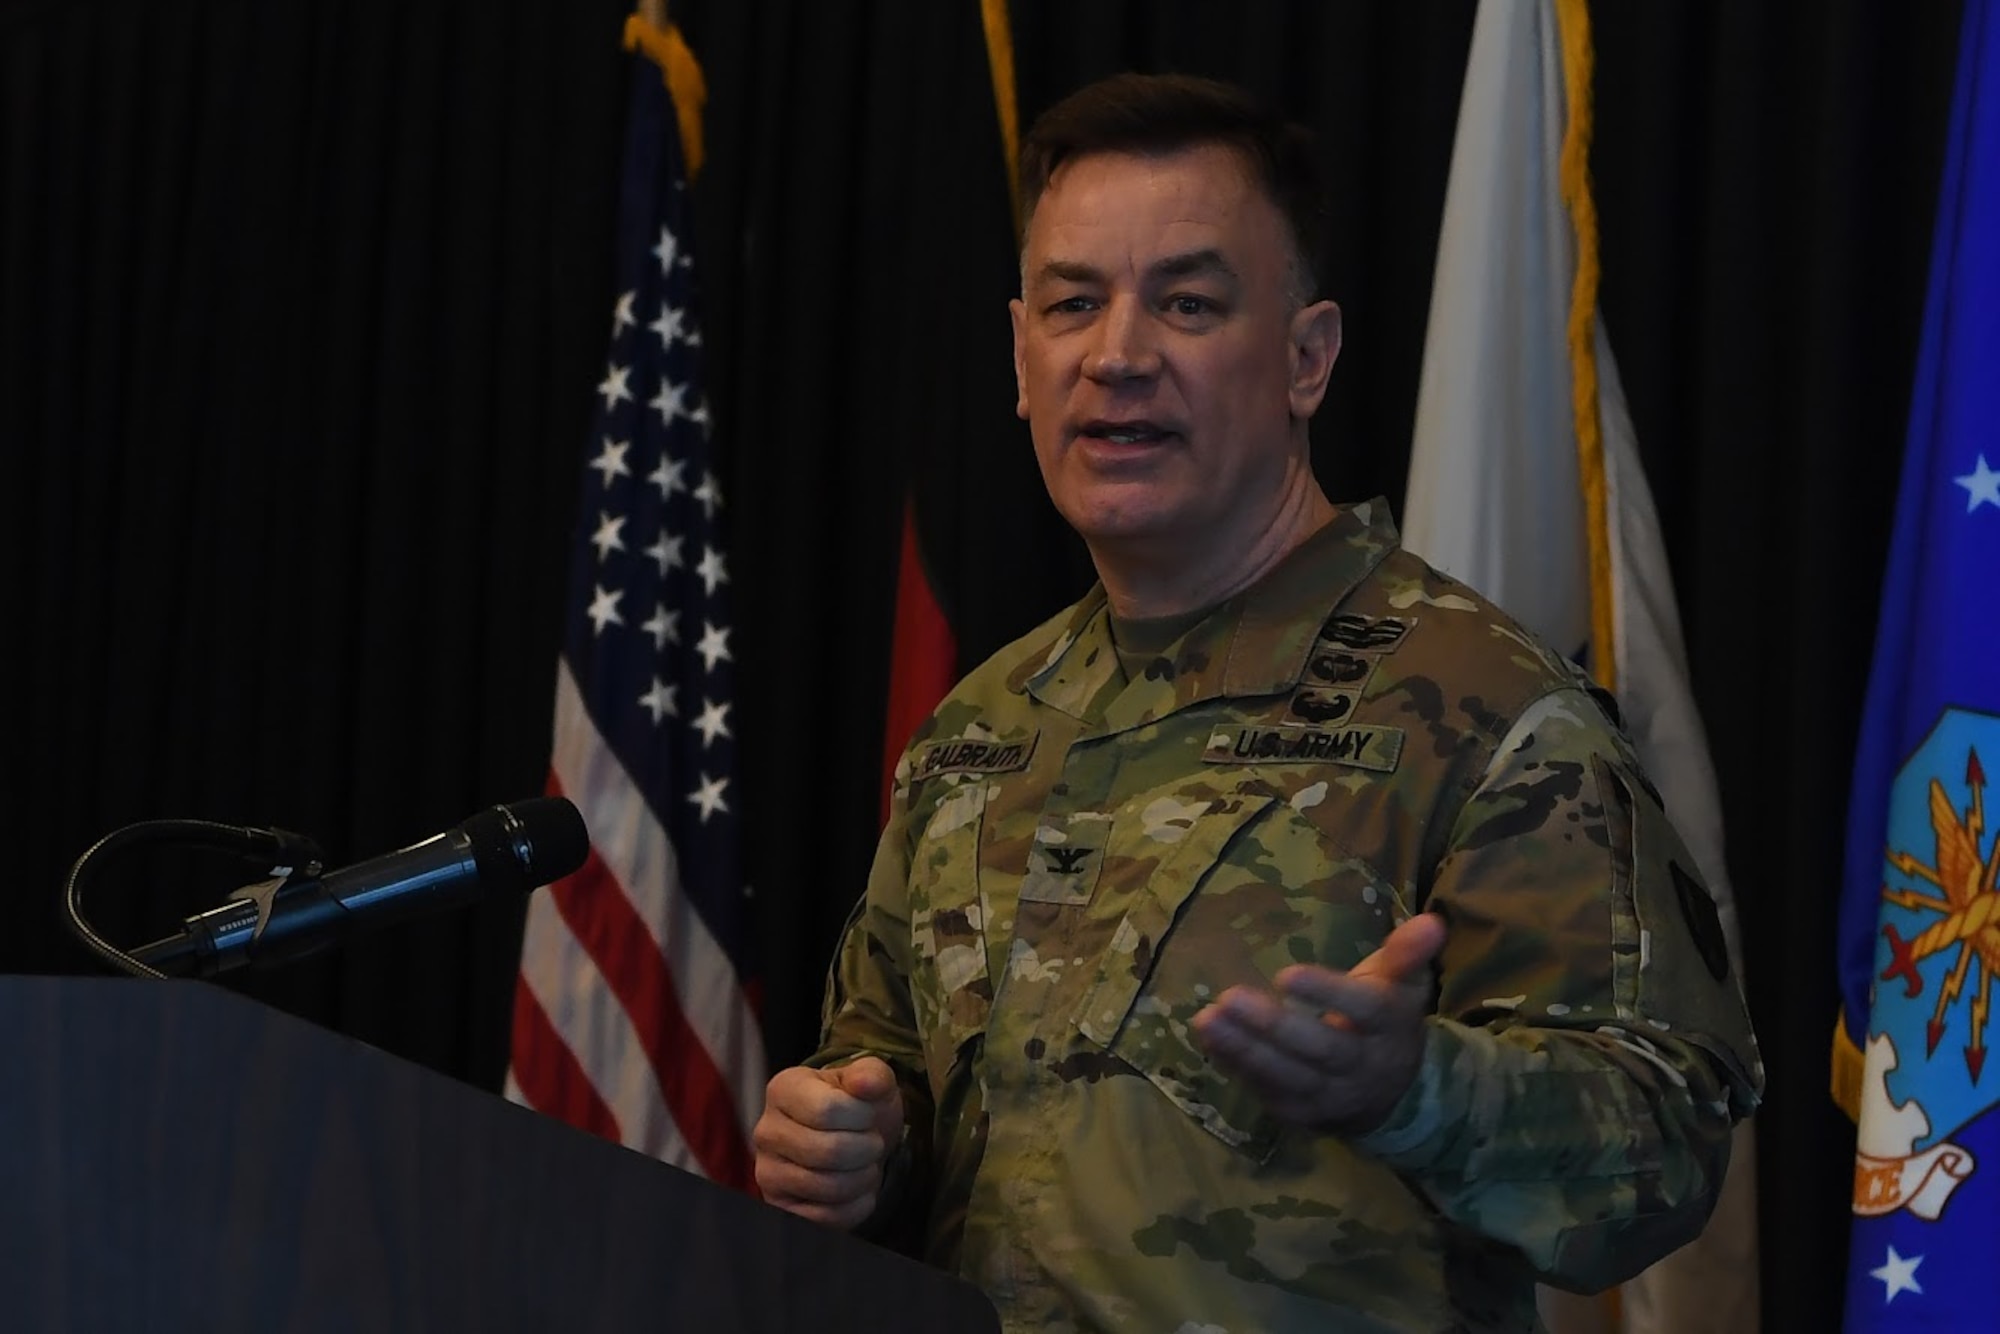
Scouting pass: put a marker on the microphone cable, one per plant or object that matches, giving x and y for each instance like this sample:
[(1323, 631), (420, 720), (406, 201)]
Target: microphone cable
[(281, 850)]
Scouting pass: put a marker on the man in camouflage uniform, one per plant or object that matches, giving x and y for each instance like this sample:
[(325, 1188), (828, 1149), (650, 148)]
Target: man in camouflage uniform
[(1280, 938)]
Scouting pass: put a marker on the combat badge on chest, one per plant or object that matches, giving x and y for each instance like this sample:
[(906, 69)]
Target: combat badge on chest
[(1315, 728)]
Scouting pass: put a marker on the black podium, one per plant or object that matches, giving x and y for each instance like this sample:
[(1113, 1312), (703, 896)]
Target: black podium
[(174, 1156)]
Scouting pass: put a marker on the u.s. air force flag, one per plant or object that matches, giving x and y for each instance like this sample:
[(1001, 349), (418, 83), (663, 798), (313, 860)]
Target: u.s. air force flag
[(1920, 914)]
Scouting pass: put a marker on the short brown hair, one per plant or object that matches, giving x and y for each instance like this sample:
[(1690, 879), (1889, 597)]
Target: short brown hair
[(1163, 113)]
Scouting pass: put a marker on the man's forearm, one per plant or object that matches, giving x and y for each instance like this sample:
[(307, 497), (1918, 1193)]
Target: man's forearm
[(1593, 1152)]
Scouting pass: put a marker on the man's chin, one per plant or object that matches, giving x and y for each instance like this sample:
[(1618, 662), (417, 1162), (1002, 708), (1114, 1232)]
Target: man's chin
[(1132, 534)]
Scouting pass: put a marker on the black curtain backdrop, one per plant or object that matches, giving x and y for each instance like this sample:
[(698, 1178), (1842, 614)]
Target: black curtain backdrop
[(302, 310)]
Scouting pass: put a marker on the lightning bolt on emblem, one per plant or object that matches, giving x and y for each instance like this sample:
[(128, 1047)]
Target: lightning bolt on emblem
[(1967, 906)]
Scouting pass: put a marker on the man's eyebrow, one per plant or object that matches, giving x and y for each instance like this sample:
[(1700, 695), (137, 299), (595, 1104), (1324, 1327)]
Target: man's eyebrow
[(1068, 271), (1194, 263)]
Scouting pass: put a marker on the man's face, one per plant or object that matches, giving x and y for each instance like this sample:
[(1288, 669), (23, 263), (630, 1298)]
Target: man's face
[(1164, 372)]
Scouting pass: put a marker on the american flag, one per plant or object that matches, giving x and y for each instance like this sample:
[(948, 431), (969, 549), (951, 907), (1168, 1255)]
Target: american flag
[(635, 1013)]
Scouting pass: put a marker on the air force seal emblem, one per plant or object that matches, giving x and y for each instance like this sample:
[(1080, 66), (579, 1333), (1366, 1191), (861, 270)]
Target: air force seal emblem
[(1936, 957)]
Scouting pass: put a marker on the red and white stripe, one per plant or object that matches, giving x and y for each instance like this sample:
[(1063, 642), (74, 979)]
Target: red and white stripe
[(629, 1019)]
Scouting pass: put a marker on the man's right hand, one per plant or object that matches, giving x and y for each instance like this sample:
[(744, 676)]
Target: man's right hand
[(824, 1137)]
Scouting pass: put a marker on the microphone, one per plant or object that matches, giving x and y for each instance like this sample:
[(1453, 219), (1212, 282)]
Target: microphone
[(512, 848)]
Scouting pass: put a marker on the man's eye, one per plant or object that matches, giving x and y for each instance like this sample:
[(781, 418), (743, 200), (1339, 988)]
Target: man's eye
[(1072, 305), (1190, 305)]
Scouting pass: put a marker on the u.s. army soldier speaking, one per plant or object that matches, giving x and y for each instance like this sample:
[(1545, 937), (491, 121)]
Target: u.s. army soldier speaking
[(1280, 938)]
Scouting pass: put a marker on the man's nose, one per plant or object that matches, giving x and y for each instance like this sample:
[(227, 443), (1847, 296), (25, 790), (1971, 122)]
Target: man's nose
[(1125, 348)]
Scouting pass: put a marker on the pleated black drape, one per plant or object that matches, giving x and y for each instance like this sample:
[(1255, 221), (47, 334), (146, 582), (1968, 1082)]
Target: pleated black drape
[(1767, 176), (301, 311)]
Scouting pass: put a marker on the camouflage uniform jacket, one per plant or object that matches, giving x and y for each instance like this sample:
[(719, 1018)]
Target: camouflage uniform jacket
[(1077, 863)]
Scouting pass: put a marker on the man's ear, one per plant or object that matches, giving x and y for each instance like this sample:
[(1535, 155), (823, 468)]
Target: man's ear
[(1315, 344), (1017, 311)]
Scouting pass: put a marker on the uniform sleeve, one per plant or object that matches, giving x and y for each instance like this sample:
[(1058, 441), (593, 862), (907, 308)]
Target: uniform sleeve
[(868, 1009), (1590, 1050)]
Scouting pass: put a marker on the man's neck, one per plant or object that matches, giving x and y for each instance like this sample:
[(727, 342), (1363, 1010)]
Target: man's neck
[(1145, 585)]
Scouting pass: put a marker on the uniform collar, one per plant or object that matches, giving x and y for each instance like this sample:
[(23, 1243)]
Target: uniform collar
[(1256, 643)]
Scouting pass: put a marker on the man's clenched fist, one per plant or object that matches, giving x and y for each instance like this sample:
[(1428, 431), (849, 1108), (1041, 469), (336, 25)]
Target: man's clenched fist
[(824, 1137)]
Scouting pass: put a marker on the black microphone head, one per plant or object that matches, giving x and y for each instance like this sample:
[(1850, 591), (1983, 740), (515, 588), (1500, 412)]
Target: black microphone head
[(527, 843)]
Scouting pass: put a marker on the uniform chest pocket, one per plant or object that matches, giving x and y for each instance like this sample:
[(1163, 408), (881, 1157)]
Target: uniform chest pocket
[(1248, 888), (1161, 967), (950, 986)]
